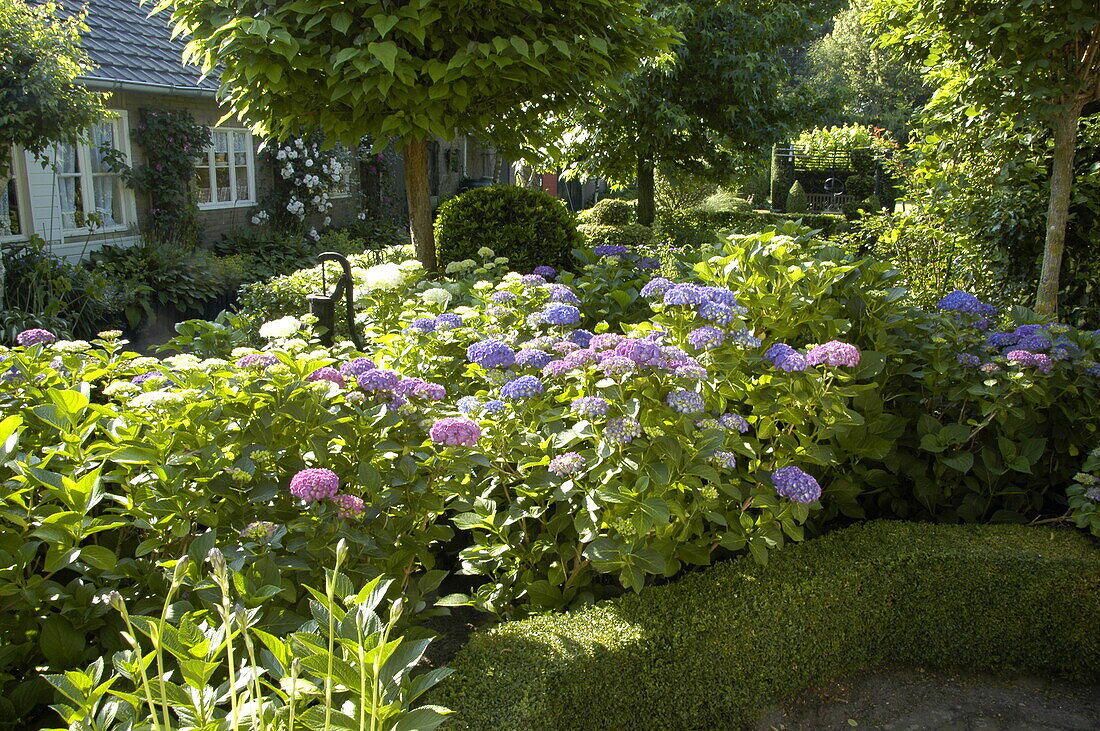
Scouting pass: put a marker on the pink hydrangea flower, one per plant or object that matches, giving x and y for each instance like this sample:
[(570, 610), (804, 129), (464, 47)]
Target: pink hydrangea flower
[(455, 431), (314, 484), (349, 506)]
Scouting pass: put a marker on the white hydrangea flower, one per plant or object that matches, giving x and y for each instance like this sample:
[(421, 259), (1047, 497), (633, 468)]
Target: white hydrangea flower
[(72, 346), (255, 220), (242, 352), (511, 278), (362, 216), (145, 362), (295, 345), (436, 296), (155, 399), (452, 268), (183, 362), (411, 265), (284, 327), (299, 144), (309, 163), (213, 363), (483, 286), (314, 235), (328, 220), (486, 253), (383, 276), (121, 388), (500, 260)]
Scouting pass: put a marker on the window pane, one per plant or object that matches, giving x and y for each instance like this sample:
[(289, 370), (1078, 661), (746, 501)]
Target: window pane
[(221, 148), (221, 179), (103, 137), (9, 209), (67, 162), (242, 184), (72, 201), (108, 199)]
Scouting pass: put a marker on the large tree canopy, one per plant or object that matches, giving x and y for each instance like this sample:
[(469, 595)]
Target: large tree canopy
[(40, 59), (1030, 60), (409, 70), (722, 93)]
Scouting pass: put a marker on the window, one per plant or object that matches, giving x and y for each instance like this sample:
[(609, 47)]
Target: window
[(225, 171), (91, 194), (10, 222), (349, 163)]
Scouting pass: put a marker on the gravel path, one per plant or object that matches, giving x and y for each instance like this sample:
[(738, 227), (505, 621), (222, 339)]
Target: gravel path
[(913, 700)]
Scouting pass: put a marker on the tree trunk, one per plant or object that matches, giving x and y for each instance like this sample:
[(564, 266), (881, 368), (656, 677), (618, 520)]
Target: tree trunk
[(420, 206), (646, 205), (1061, 183)]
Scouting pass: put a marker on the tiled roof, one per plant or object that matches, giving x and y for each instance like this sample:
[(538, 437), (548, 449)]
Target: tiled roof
[(127, 45)]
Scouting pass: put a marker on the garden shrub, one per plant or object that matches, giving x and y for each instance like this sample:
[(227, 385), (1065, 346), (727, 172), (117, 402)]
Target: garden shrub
[(634, 235), (529, 227), (691, 229), (609, 212), (714, 649), (797, 201), (724, 200)]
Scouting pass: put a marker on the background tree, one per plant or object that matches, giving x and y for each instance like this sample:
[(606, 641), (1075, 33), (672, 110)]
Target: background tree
[(724, 92), (40, 101), (407, 71), (871, 84), (1030, 60)]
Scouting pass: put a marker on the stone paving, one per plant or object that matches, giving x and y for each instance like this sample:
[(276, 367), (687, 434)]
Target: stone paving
[(915, 701)]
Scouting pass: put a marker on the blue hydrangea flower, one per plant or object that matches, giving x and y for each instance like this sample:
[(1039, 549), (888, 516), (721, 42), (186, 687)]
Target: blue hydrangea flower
[(725, 459), (610, 250), (559, 313), (561, 293), (685, 294), (532, 280), (793, 483), (357, 367), (733, 422), (786, 358), (522, 387), (582, 338), (423, 324), (469, 404), (623, 430), (968, 359), (533, 358), (448, 321), (656, 287), (959, 301), (491, 354), (684, 401), (745, 340), (716, 312), (640, 351), (493, 406), (378, 380), (546, 272), (720, 295), (566, 465), (706, 337), (590, 406), (647, 262), (617, 365), (502, 297)]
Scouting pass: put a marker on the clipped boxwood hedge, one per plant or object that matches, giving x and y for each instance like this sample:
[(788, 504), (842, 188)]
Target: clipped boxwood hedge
[(697, 227), (634, 235), (716, 648), (529, 227)]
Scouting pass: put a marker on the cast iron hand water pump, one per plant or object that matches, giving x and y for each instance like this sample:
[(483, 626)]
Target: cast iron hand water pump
[(323, 306)]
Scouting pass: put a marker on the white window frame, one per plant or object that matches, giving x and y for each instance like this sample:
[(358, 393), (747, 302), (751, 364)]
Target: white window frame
[(22, 209), (120, 120), (250, 151)]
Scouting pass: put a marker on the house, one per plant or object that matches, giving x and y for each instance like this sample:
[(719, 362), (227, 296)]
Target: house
[(140, 66)]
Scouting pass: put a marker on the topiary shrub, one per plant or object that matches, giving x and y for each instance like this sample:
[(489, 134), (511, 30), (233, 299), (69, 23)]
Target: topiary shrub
[(797, 200), (692, 229), (859, 186), (724, 200), (715, 648), (634, 235), (529, 227), (609, 212)]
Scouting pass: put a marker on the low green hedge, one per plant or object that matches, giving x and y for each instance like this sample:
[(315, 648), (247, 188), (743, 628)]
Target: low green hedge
[(715, 648), (697, 227)]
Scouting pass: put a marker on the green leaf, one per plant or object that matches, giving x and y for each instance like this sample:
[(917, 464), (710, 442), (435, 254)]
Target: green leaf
[(386, 52)]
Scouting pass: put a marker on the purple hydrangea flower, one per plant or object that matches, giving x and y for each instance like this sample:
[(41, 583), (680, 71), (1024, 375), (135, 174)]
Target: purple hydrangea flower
[(794, 484), (423, 324), (716, 312), (326, 374), (468, 404), (448, 321), (419, 388), (623, 430), (378, 380), (605, 341), (565, 347), (834, 353), (725, 459), (491, 354), (989, 368), (959, 301), (349, 506), (559, 313), (561, 293), (357, 367), (968, 359), (546, 272), (35, 336), (684, 401), (643, 352), (502, 297), (656, 287), (455, 431), (580, 358), (691, 372), (532, 280), (617, 365), (533, 358), (647, 262), (1034, 343), (555, 368), (733, 422), (1026, 358), (522, 387), (590, 406), (314, 484), (786, 358), (1002, 340), (611, 250), (259, 361), (567, 465), (707, 337), (141, 378)]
